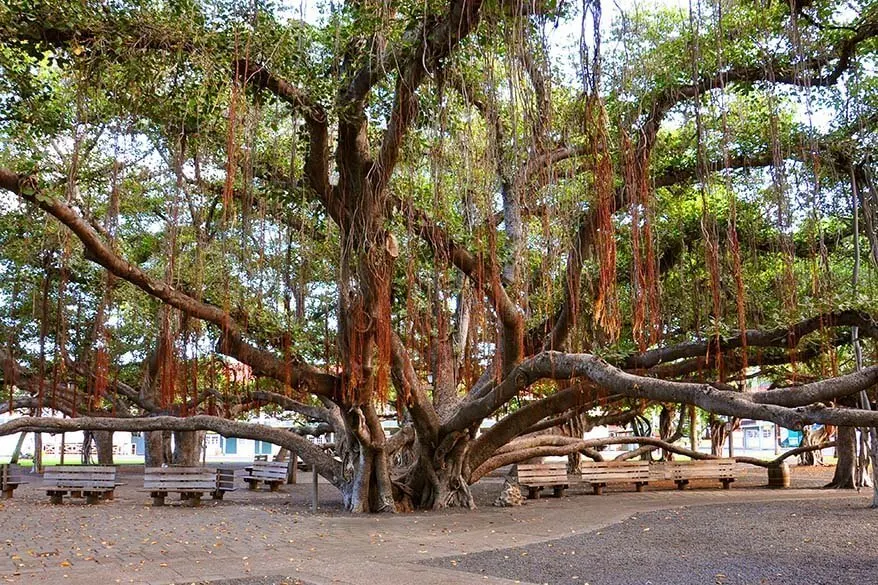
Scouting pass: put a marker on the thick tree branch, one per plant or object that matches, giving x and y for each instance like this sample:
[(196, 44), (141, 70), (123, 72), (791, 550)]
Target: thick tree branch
[(784, 337), (96, 250), (308, 451), (564, 366), (317, 158), (409, 386), (484, 274), (436, 41)]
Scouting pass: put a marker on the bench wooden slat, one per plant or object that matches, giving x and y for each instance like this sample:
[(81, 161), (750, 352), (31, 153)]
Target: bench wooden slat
[(190, 482), (172, 486), (94, 481), (11, 476), (538, 475), (601, 473), (272, 473), (179, 470), (684, 471), (269, 469), (225, 482), (182, 477)]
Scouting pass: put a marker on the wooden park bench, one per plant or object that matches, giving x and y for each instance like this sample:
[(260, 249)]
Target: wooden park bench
[(601, 473), (272, 473), (11, 476), (536, 476), (190, 482), (225, 482), (682, 472), (92, 481)]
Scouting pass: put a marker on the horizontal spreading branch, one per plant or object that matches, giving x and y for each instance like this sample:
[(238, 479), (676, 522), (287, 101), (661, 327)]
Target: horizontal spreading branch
[(309, 411), (784, 337), (308, 451), (568, 366)]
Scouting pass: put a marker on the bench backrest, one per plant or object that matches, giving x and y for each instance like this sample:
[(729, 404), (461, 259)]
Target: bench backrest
[(542, 473), (80, 477), (179, 478), (225, 478), (603, 471), (10, 475), (269, 470), (701, 469)]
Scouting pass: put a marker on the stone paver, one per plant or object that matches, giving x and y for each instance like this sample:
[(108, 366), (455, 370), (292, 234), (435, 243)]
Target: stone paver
[(261, 533)]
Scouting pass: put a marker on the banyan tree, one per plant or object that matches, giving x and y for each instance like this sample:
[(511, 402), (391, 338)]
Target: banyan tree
[(540, 214)]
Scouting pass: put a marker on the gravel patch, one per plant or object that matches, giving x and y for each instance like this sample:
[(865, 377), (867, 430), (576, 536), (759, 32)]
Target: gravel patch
[(774, 543)]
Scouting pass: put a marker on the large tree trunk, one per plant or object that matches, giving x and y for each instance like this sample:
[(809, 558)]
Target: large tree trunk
[(438, 477), (846, 447), (187, 448), (38, 452), (574, 428), (153, 445), (845, 469), (104, 445), (16, 453), (666, 421), (718, 434), (365, 466)]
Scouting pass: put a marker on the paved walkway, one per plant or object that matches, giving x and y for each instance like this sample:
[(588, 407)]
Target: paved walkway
[(254, 534)]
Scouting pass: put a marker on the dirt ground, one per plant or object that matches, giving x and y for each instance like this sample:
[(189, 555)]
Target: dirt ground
[(749, 534)]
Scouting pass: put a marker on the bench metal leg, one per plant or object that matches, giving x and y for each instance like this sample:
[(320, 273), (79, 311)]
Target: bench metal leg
[(727, 483), (92, 498), (598, 488), (252, 484), (559, 491), (533, 493), (217, 494), (158, 500), (681, 483), (56, 498), (639, 486), (273, 486), (194, 500), (7, 493)]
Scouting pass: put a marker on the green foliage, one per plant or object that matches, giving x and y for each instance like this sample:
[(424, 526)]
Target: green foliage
[(138, 101)]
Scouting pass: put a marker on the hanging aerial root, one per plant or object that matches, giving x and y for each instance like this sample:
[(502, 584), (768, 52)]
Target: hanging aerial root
[(607, 313)]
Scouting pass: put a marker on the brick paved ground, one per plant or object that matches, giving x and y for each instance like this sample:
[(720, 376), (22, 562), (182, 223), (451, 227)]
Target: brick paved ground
[(252, 534)]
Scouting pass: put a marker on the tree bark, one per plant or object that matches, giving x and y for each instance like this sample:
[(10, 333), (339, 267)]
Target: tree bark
[(16, 453), (666, 420), (38, 452), (153, 444), (187, 448), (104, 444), (845, 469), (718, 432)]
